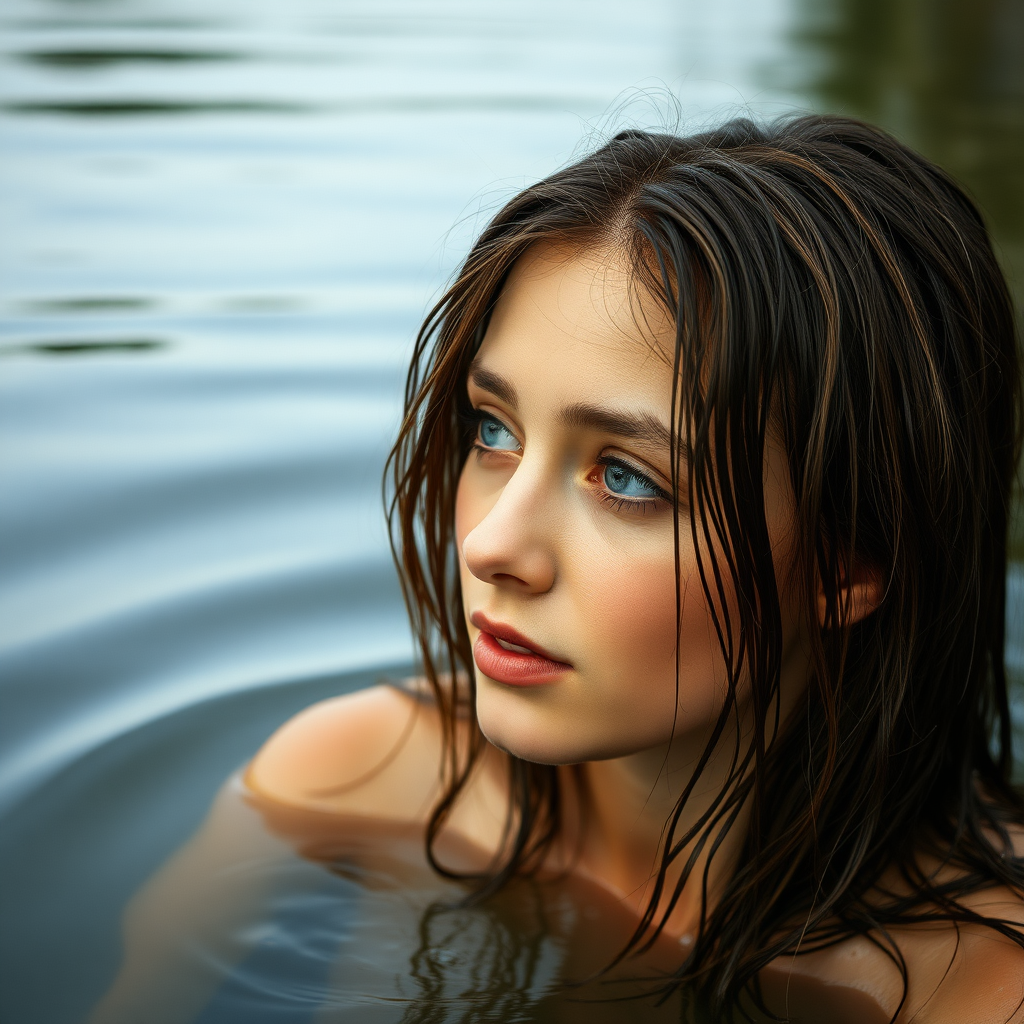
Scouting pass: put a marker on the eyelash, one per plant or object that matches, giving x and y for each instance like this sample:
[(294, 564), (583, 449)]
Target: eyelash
[(473, 421), (617, 502), (620, 502)]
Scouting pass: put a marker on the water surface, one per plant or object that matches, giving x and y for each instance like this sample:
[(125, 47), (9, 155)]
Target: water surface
[(220, 225)]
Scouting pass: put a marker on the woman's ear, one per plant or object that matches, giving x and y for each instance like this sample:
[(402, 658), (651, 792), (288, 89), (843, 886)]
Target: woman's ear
[(860, 593)]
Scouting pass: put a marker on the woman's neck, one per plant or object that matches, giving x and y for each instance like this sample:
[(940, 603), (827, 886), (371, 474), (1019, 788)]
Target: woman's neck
[(616, 826)]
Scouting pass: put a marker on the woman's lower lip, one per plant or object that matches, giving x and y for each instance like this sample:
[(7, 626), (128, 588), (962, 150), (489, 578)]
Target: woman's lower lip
[(512, 667)]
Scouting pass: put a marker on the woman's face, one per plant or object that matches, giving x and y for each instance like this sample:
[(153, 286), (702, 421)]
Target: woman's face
[(565, 527)]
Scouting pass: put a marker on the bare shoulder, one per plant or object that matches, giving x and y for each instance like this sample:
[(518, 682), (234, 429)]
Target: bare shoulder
[(375, 753), (971, 976)]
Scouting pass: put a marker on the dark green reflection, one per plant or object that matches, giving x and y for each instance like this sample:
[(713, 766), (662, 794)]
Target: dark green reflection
[(76, 59), (149, 108), (89, 304), (372, 105), (87, 347), (947, 76)]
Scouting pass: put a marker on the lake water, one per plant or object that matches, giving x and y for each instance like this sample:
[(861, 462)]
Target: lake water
[(220, 226)]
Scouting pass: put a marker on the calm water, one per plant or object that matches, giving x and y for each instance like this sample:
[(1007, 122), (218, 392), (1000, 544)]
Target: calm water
[(220, 225)]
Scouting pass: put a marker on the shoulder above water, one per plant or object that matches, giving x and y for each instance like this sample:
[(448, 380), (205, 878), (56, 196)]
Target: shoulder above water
[(975, 976), (375, 753)]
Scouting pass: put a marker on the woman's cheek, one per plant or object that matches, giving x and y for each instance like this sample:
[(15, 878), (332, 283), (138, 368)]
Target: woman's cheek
[(630, 610), (632, 616)]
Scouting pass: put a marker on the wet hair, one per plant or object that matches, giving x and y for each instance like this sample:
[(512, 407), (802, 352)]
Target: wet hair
[(832, 289)]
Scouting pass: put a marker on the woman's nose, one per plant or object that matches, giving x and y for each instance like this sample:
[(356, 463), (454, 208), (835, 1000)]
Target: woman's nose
[(511, 546)]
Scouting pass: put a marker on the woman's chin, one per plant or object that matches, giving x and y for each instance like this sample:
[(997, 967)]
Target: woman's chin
[(525, 735), (526, 748), (531, 737)]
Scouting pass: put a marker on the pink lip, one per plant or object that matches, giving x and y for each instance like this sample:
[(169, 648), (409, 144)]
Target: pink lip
[(512, 667)]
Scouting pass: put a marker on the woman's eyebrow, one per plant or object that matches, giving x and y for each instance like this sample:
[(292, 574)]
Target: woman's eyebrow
[(636, 427), (498, 386)]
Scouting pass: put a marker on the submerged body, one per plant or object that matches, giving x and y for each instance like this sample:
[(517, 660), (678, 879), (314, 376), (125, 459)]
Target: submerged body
[(291, 913), (976, 980)]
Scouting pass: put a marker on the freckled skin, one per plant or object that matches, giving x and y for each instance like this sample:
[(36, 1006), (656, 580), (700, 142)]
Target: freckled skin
[(543, 552)]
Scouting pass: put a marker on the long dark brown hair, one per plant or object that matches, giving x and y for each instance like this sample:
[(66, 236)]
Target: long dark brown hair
[(837, 291)]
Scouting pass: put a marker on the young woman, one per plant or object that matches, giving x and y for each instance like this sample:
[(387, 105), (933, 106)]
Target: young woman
[(700, 504)]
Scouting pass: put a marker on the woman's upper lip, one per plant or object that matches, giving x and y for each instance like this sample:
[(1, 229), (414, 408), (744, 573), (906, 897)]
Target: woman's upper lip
[(510, 635)]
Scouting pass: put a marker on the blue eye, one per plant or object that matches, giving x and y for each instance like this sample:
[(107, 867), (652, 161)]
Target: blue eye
[(492, 433), (625, 482)]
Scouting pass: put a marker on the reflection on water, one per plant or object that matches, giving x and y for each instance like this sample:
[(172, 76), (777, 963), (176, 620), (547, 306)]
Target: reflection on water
[(948, 77), (152, 108), (381, 937), (100, 58), (221, 226), (90, 304), (84, 346)]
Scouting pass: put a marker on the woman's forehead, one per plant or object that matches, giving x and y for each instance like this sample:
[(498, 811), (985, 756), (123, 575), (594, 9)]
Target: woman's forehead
[(582, 304)]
